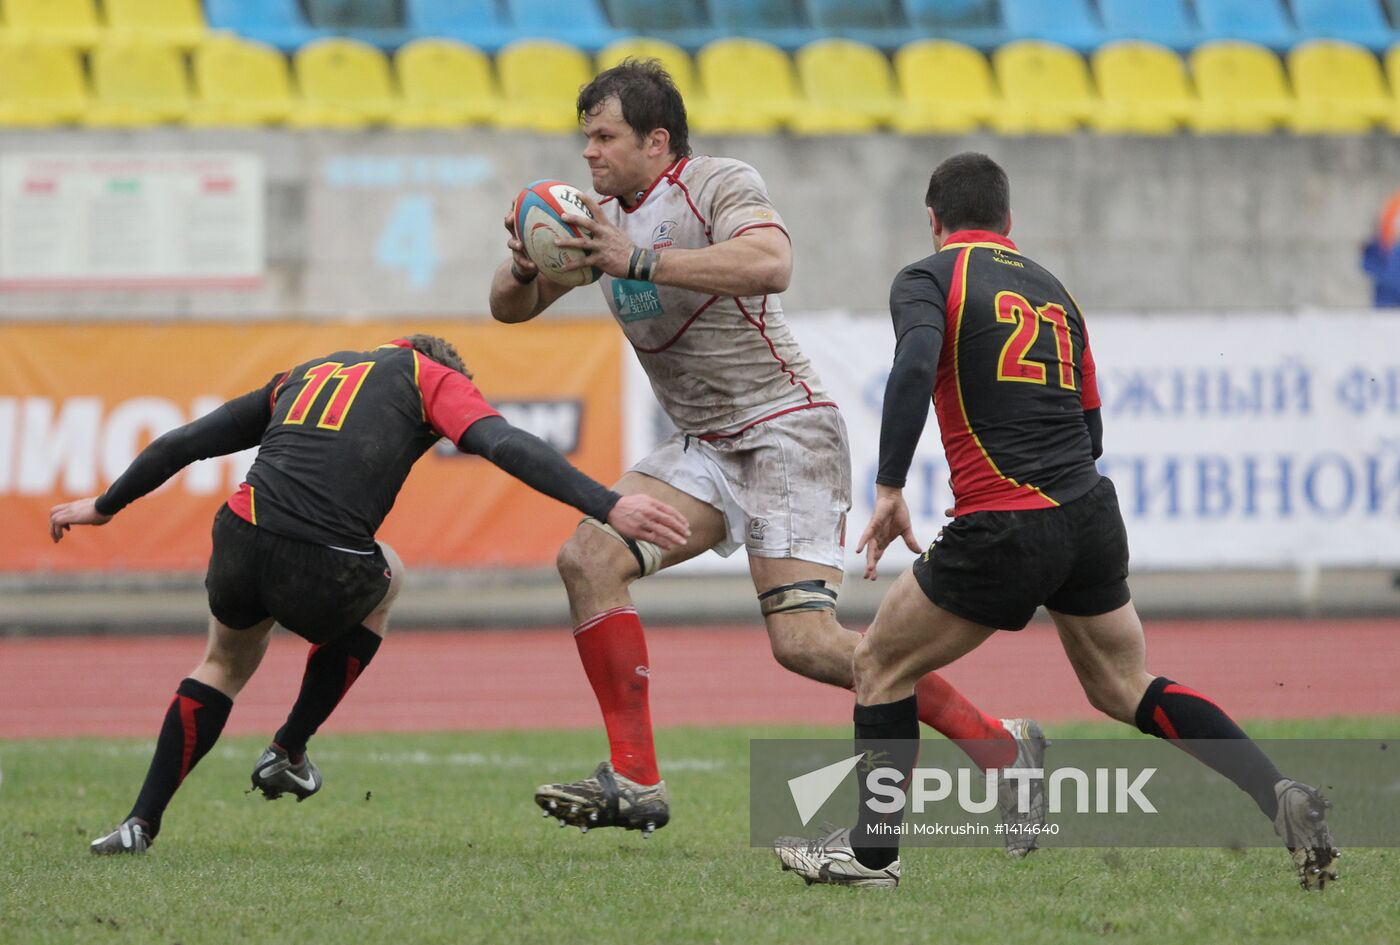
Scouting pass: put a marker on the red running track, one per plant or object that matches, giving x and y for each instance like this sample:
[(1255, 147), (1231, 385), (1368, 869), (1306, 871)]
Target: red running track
[(522, 679)]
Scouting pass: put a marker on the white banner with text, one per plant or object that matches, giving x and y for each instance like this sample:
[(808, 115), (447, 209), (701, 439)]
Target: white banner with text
[(1266, 440)]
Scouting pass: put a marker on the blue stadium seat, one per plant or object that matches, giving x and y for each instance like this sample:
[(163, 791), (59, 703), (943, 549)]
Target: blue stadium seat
[(475, 22), (1262, 22), (1355, 21), (779, 22), (352, 14), (1165, 22), (974, 23), (579, 23), (370, 21), (683, 22), (275, 22), (1071, 23), (873, 22)]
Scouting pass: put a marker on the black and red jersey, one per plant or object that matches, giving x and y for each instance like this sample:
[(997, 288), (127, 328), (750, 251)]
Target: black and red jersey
[(342, 433), (1014, 374)]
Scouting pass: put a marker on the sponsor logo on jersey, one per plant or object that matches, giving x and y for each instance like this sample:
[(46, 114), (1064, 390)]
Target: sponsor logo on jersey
[(636, 301), (661, 236)]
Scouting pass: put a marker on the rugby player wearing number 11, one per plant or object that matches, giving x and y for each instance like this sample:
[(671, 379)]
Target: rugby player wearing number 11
[(295, 545)]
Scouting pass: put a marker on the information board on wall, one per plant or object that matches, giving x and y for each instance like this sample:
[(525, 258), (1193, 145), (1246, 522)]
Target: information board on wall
[(112, 220)]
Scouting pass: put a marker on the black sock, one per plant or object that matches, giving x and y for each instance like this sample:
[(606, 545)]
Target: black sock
[(895, 725), (1172, 711), (331, 669), (192, 725)]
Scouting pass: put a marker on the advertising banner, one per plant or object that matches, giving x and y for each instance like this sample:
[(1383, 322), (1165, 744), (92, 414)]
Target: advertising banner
[(1266, 440), (79, 401)]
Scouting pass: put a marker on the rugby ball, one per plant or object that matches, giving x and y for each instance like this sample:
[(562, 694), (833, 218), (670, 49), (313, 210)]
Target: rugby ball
[(539, 212)]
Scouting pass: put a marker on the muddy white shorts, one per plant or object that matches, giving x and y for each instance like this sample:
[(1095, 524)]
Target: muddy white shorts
[(783, 486)]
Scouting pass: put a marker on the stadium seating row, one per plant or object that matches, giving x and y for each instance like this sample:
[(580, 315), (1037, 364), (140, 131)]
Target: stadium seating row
[(591, 24), (731, 86)]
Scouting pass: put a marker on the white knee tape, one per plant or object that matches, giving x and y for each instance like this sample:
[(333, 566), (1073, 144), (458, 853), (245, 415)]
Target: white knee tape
[(648, 555)]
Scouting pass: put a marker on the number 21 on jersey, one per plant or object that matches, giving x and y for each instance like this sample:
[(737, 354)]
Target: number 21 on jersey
[(1014, 365)]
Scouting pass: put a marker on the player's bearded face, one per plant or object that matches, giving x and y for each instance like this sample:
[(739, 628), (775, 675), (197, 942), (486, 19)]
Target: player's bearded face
[(615, 154)]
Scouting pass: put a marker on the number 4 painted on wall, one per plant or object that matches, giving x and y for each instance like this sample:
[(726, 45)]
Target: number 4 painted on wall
[(409, 241)]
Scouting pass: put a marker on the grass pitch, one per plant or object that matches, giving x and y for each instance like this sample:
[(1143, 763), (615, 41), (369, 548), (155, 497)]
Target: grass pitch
[(434, 838)]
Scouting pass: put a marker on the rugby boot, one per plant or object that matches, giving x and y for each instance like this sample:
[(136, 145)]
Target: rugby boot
[(275, 775), (607, 799), (1301, 823), (1023, 828), (133, 836), (830, 859)]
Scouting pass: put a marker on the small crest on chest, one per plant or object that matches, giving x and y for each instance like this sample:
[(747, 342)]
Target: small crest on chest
[(663, 236)]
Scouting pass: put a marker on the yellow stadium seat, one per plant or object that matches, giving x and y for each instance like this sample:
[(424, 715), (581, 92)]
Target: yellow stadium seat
[(847, 86), (136, 85), (945, 87), (675, 60), (1392, 75), (1045, 88), (540, 82), (1242, 88), (445, 84), (239, 83), (40, 85), (748, 85), (1144, 89), (1339, 87), (176, 22), (63, 22), (344, 84)]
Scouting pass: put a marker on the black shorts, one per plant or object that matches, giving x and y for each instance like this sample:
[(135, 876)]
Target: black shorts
[(996, 568), (314, 591)]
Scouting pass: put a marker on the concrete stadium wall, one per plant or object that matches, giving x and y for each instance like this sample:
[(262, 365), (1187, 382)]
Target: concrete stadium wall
[(389, 223)]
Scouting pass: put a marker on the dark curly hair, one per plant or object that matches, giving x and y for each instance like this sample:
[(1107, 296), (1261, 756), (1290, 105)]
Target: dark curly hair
[(438, 349), (648, 97)]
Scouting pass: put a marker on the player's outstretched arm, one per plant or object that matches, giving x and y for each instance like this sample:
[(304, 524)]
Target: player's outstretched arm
[(757, 261), (232, 426), (649, 519), (518, 293), (78, 512), (889, 521), (538, 465)]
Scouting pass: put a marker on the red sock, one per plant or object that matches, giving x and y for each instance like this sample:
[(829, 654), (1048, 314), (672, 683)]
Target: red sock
[(614, 653), (947, 711)]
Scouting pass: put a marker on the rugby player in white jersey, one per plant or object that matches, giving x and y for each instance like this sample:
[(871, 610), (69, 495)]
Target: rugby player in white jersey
[(694, 255)]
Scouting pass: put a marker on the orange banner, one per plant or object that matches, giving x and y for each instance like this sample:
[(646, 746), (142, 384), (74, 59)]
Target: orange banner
[(79, 401)]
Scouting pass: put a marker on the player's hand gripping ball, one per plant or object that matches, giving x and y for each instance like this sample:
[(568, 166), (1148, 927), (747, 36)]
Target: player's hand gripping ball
[(539, 212)]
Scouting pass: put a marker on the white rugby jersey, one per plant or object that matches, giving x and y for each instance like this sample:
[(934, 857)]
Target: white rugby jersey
[(717, 364)]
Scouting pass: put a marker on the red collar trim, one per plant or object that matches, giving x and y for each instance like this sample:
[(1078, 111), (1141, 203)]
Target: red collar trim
[(672, 173), (963, 237)]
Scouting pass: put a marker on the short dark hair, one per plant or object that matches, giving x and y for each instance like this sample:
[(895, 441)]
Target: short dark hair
[(969, 191), (439, 350), (648, 97)]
